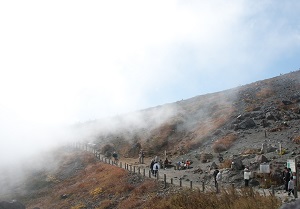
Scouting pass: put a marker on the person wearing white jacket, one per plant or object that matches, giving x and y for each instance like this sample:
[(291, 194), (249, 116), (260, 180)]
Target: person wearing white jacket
[(219, 179), (247, 175), (156, 167), (291, 186)]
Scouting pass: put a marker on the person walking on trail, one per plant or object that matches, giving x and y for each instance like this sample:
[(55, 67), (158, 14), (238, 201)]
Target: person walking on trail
[(247, 174), (115, 156), (141, 156), (215, 176), (291, 186), (156, 167), (166, 163), (219, 178), (286, 178), (151, 166)]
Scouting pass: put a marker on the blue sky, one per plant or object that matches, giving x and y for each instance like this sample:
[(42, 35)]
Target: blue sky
[(68, 61)]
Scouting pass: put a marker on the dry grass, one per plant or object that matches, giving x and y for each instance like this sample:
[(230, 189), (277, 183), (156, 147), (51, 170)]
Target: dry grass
[(277, 128), (244, 199), (251, 151), (224, 143), (265, 93), (226, 164), (296, 139)]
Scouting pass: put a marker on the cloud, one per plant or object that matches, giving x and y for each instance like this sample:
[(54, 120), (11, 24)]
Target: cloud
[(70, 61)]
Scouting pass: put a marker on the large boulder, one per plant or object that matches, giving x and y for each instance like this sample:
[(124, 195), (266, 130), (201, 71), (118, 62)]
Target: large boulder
[(261, 159), (247, 123), (237, 164), (11, 205), (213, 166), (287, 102), (270, 116), (253, 182)]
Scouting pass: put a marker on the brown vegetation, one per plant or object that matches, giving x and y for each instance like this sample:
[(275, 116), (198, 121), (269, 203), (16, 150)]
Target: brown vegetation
[(104, 186), (265, 93), (233, 199), (224, 143), (296, 139), (226, 164)]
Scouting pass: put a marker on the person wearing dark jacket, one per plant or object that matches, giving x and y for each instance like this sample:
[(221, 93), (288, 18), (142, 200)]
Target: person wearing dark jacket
[(286, 178), (215, 176), (151, 166)]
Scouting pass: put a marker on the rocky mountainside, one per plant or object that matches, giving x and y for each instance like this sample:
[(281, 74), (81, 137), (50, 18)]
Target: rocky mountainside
[(266, 111), (244, 126)]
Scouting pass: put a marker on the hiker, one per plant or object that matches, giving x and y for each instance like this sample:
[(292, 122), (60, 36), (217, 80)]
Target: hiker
[(219, 179), (156, 167), (151, 166), (215, 176), (286, 178), (178, 165), (115, 156), (247, 174), (291, 186), (181, 165), (166, 163), (161, 163), (187, 164), (220, 157), (141, 156)]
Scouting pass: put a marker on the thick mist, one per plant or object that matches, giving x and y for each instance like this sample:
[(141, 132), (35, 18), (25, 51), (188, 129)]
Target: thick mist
[(70, 70)]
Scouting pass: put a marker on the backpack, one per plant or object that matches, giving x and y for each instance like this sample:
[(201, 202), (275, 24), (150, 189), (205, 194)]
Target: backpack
[(156, 167)]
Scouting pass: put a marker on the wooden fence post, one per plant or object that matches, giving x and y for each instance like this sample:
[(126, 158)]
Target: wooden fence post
[(171, 180), (165, 181), (180, 182), (203, 186), (191, 184), (272, 189)]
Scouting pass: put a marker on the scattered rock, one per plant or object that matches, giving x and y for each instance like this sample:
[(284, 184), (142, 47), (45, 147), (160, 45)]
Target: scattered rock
[(287, 102), (213, 166), (247, 123), (253, 182), (261, 159), (237, 164), (270, 116)]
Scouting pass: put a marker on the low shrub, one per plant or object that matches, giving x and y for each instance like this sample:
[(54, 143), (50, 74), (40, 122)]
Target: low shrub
[(296, 139), (224, 143), (232, 199)]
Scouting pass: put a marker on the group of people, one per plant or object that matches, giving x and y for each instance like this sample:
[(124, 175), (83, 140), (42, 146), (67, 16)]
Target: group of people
[(218, 177), (183, 164), (154, 166)]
